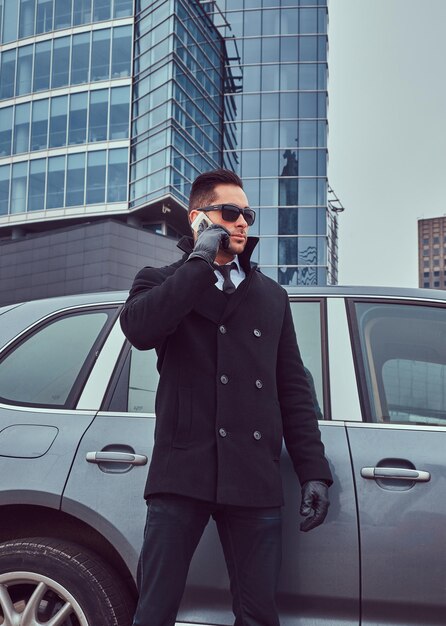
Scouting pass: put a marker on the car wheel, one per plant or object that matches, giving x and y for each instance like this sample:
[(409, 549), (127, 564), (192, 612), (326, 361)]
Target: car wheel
[(46, 582)]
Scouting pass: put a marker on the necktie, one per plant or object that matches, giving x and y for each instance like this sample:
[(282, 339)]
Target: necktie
[(225, 270)]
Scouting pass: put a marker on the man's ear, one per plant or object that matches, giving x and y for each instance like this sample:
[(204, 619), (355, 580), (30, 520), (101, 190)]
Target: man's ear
[(192, 215)]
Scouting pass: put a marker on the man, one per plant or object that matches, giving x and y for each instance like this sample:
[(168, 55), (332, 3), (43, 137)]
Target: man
[(231, 384)]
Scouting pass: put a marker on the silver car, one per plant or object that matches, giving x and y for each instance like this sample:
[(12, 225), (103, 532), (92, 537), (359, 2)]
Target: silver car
[(76, 429)]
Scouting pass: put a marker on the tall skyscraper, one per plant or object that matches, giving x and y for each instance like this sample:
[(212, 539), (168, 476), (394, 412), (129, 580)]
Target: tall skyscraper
[(432, 252), (108, 111)]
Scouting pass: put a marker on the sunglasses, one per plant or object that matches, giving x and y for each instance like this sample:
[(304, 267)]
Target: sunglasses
[(231, 212)]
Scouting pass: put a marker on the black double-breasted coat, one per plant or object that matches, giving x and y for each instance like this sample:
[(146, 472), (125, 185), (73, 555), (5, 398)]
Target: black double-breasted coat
[(232, 384)]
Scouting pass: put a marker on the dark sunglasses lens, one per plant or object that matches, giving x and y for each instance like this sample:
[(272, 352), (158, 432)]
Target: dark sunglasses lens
[(230, 214)]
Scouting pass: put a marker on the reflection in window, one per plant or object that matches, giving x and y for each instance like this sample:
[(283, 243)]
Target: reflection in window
[(24, 70), (100, 55), (62, 14), (5, 131), (36, 190), (43, 369), (4, 189), (58, 122), (77, 131), (121, 51), (81, 12), (117, 175), (7, 74), (21, 128), (44, 20), (96, 177), (98, 120), (56, 182), (26, 19), (61, 62), (39, 126), (75, 180), (80, 58), (42, 62), (403, 353), (18, 187)]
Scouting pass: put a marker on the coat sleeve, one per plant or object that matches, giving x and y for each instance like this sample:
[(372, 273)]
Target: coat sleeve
[(300, 428), (159, 300)]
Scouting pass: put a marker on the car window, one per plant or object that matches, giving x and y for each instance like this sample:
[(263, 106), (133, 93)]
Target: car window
[(403, 356), (43, 368), (307, 322), (143, 381)]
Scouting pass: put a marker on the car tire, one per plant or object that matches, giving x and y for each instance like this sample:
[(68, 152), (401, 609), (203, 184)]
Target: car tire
[(41, 578)]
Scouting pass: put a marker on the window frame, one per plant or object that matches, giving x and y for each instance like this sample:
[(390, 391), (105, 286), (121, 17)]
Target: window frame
[(112, 312)]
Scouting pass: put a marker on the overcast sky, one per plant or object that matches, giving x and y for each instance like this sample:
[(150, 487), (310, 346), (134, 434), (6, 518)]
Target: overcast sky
[(387, 132)]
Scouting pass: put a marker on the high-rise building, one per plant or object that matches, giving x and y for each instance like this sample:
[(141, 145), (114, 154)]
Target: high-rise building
[(108, 111), (432, 252)]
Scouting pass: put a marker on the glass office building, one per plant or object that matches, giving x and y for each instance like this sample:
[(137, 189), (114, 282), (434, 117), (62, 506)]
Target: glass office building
[(110, 108)]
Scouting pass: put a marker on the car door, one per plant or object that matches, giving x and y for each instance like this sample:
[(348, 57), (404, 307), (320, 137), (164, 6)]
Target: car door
[(399, 461), (42, 372)]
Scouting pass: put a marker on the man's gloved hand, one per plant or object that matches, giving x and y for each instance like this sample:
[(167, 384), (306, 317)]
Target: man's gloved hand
[(314, 504), (208, 243)]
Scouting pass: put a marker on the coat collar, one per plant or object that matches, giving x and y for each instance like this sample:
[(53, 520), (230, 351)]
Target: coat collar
[(186, 244)]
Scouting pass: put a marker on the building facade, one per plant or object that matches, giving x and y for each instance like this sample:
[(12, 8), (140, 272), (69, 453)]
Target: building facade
[(110, 108), (432, 252)]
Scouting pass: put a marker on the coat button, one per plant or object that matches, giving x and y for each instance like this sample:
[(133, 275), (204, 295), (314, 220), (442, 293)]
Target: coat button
[(257, 332), (259, 384), (257, 435), (222, 329), (224, 379), (222, 432)]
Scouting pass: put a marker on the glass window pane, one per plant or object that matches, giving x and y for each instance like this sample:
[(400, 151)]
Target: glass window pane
[(61, 62), (62, 14), (24, 70), (308, 76), (122, 8), (36, 190), (307, 321), (97, 125), (75, 180), (289, 75), (39, 125), (81, 12), (77, 132), (96, 177), (119, 113), (4, 188), (5, 131), (42, 66), (117, 175), (308, 21), (44, 21), (101, 10), (80, 58), (26, 19), (56, 182), (7, 74), (121, 51), (18, 187), (58, 121), (100, 55), (143, 381), (10, 19), (43, 368), (21, 128)]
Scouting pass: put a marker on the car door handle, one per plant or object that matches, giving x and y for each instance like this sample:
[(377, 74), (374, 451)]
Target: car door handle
[(399, 473), (116, 457)]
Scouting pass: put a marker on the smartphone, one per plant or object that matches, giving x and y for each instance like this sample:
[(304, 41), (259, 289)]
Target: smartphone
[(201, 222)]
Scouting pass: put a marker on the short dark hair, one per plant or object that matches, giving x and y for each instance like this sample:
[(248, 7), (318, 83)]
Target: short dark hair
[(202, 192)]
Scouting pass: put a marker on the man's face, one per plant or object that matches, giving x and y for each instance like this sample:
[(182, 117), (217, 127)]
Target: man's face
[(229, 194)]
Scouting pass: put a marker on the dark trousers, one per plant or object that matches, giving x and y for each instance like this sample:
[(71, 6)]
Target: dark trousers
[(251, 540)]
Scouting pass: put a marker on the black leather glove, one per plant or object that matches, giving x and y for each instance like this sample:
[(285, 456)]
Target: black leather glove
[(314, 504), (208, 243)]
